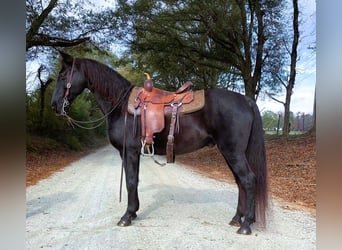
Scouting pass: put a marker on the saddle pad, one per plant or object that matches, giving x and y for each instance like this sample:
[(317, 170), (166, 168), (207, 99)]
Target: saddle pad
[(134, 93), (197, 103)]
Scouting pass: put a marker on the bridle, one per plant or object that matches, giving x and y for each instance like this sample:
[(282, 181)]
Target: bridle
[(67, 92), (81, 124)]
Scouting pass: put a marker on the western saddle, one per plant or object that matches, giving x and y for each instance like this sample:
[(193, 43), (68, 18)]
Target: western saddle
[(152, 104)]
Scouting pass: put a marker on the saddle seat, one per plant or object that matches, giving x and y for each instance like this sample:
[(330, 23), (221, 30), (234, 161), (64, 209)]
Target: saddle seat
[(159, 96), (152, 104)]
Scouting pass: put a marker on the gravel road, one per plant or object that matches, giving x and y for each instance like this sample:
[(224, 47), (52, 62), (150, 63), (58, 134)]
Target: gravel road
[(79, 207)]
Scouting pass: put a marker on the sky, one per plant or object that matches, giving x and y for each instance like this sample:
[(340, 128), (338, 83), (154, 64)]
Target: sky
[(302, 99)]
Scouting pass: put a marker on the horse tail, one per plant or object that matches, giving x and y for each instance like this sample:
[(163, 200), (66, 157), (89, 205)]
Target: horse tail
[(256, 157)]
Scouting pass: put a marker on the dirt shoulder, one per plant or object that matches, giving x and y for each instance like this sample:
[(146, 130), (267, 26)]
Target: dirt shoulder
[(291, 169), (42, 165)]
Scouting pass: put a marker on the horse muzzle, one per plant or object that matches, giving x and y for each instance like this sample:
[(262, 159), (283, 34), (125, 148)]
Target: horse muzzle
[(61, 107)]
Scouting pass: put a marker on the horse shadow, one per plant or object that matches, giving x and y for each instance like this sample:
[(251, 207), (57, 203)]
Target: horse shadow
[(41, 205), (165, 195)]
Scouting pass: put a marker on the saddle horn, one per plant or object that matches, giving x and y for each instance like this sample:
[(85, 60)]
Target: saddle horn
[(148, 84)]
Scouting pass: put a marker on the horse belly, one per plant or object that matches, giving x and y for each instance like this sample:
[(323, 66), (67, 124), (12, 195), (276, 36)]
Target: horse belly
[(191, 136)]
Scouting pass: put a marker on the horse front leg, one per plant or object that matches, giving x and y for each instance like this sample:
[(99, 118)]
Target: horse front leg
[(131, 167)]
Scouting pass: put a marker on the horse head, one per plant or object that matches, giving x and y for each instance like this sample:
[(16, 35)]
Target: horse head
[(70, 83)]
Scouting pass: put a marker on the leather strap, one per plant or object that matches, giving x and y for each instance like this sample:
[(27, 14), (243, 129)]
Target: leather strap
[(123, 163), (170, 138), (143, 119)]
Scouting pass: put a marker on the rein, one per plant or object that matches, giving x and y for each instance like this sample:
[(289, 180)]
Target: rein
[(123, 163), (100, 120)]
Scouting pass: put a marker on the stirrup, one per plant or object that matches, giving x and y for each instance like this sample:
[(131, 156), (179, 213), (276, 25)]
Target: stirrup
[(143, 146)]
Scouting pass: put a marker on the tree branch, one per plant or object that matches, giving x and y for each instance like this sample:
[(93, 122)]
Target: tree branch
[(37, 23), (45, 40), (281, 81), (274, 99)]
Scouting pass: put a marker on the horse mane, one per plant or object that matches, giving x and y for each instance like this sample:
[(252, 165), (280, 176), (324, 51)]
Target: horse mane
[(103, 79)]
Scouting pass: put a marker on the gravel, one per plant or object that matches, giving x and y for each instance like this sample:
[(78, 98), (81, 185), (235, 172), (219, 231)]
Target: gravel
[(79, 207)]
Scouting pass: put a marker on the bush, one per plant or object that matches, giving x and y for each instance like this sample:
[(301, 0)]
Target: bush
[(41, 144), (55, 129), (73, 143)]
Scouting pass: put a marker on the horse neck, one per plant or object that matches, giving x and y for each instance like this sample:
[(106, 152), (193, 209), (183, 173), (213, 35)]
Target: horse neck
[(109, 87), (114, 104)]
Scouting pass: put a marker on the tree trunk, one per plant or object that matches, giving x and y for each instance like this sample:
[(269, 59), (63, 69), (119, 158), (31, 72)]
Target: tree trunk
[(286, 125), (292, 78), (250, 87), (312, 131), (42, 92), (43, 87), (251, 72)]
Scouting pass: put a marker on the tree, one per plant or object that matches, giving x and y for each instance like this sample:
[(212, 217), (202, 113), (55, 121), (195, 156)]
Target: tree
[(36, 21), (65, 23), (287, 79), (60, 24), (292, 78), (269, 120), (42, 90), (313, 128), (202, 39)]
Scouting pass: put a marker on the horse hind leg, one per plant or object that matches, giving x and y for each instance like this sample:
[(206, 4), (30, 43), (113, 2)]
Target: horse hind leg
[(241, 207), (245, 178)]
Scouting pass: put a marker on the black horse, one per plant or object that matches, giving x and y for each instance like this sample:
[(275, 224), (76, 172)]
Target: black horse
[(229, 120)]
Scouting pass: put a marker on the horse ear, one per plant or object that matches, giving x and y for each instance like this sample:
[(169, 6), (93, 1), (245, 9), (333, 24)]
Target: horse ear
[(67, 59)]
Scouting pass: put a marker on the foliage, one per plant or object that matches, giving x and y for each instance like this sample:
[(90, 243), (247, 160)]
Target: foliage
[(299, 122), (269, 120), (56, 128), (233, 44), (213, 43), (52, 24), (65, 23)]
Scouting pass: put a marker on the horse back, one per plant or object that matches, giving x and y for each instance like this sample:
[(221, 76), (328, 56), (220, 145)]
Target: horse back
[(226, 115)]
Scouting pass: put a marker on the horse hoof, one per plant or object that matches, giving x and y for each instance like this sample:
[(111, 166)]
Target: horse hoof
[(134, 216), (124, 223), (235, 223), (244, 230)]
